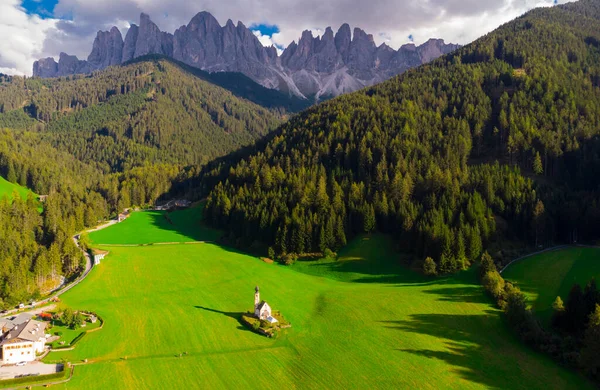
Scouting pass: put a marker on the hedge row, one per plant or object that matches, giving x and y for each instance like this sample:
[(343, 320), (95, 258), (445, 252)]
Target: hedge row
[(34, 379)]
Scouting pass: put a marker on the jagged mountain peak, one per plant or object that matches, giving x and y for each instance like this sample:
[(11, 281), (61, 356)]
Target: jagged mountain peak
[(325, 65)]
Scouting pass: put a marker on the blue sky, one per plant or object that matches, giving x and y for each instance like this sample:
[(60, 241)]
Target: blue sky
[(42, 8), (265, 29)]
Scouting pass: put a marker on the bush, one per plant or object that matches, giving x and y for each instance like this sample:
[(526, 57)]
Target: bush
[(429, 267), (58, 333), (329, 254), (494, 284), (487, 264), (290, 259)]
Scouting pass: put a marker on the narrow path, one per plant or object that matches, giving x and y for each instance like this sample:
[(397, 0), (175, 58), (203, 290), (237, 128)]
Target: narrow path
[(554, 248)]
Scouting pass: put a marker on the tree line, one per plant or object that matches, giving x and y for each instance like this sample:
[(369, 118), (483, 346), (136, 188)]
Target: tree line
[(573, 341)]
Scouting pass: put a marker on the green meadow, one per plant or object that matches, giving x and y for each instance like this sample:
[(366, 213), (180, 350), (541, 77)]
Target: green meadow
[(8, 189), (545, 276), (147, 227), (171, 321)]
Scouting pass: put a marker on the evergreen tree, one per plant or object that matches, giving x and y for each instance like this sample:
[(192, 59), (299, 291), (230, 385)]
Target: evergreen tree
[(429, 267), (538, 168), (590, 354)]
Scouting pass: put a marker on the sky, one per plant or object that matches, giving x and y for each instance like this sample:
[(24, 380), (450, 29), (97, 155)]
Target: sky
[(33, 29)]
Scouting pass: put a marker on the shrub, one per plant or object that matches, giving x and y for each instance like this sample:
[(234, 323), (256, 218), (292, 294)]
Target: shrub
[(58, 333), (429, 267), (487, 264), (494, 284), (290, 259), (329, 254), (516, 307)]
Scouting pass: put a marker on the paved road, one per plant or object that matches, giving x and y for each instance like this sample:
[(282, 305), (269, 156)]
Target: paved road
[(39, 368), (62, 290), (535, 253)]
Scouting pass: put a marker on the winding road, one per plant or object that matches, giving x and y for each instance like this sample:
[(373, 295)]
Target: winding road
[(63, 289)]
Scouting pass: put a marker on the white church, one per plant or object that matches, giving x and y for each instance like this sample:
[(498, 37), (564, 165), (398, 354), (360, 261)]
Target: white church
[(262, 310)]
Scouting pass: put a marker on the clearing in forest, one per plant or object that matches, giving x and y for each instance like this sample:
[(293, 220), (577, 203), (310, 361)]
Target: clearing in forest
[(545, 276), (172, 321)]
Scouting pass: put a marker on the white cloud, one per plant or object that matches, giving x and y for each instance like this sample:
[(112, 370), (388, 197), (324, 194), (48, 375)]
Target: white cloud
[(22, 37), (390, 21)]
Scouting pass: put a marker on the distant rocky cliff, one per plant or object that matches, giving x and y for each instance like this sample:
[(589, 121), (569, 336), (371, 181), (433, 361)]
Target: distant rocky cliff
[(315, 67)]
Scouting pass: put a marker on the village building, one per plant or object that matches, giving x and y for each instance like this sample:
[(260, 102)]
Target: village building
[(262, 310), (22, 342), (123, 216), (98, 255)]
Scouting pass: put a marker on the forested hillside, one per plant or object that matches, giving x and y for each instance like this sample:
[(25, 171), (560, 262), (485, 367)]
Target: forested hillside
[(98, 144), (498, 140), (148, 111)]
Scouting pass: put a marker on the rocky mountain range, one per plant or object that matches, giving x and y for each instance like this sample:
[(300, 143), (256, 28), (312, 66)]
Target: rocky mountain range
[(315, 67)]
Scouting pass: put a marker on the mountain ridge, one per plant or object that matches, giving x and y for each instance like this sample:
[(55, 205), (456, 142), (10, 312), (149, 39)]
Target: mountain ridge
[(320, 67)]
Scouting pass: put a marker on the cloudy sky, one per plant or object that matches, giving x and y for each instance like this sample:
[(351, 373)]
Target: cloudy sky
[(31, 29)]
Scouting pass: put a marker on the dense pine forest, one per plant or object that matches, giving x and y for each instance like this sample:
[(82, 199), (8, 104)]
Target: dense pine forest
[(101, 143), (496, 142)]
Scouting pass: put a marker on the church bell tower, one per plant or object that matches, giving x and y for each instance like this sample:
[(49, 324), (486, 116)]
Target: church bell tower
[(256, 297)]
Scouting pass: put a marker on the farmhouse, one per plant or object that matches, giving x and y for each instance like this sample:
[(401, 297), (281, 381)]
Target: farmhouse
[(262, 310), (22, 342), (123, 216), (98, 255)]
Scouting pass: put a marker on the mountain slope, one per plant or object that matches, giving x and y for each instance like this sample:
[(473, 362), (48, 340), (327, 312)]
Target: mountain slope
[(151, 111), (318, 67), (400, 157)]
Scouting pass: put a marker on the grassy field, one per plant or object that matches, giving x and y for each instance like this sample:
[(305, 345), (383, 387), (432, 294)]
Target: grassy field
[(68, 334), (359, 322), (545, 276), (147, 227), (7, 189)]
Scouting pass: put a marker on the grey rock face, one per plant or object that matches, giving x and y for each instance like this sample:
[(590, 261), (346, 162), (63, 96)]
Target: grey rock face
[(68, 65), (151, 40), (316, 67), (129, 44), (433, 49), (107, 49), (45, 67)]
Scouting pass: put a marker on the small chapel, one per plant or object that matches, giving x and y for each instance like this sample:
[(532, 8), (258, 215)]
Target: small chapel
[(262, 310)]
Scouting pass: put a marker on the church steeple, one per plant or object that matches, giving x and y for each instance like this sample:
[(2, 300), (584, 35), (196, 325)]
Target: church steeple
[(256, 297)]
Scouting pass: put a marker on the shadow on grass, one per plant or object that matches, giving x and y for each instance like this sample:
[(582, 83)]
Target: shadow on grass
[(479, 348), (189, 223), (468, 345), (231, 314), (185, 222)]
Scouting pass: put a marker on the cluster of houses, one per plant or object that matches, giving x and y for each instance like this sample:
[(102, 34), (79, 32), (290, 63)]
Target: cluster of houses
[(174, 204), (21, 339)]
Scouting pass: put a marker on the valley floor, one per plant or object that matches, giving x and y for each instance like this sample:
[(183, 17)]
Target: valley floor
[(171, 321)]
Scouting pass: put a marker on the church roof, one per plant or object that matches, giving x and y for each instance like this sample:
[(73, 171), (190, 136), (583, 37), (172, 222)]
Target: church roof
[(262, 304)]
